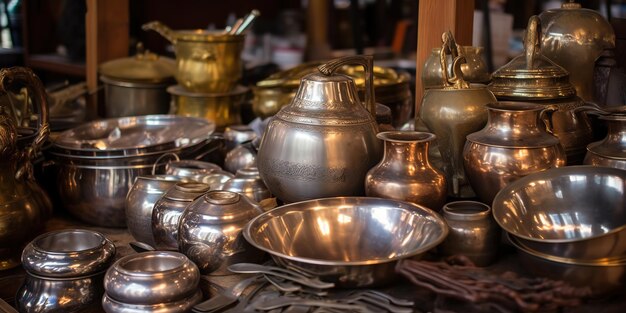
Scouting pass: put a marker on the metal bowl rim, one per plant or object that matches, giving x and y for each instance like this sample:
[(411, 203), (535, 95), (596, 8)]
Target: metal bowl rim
[(567, 170), (104, 241), (173, 254), (430, 215)]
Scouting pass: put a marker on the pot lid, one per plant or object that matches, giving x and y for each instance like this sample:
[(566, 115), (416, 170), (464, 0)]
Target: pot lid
[(290, 79), (531, 74), (221, 206), (144, 67), (186, 192), (136, 135)]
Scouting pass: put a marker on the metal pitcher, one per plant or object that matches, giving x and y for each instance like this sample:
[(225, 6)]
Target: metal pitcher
[(22, 211), (452, 113), (323, 143), (206, 61)]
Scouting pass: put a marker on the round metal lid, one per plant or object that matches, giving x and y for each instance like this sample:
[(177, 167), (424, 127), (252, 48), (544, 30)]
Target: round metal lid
[(137, 134), (144, 67), (531, 74)]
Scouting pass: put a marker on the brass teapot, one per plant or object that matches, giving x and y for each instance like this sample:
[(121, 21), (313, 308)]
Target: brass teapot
[(323, 143), (22, 211)]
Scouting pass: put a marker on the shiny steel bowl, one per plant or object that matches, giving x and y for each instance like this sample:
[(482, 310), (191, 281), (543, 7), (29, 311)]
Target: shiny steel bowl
[(152, 278), (68, 253), (573, 212), (350, 241), (181, 306), (601, 276)]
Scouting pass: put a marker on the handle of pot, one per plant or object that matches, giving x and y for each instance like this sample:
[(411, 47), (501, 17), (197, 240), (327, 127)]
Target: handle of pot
[(448, 47), (160, 28), (457, 80), (532, 40), (25, 77), (546, 117), (367, 61), (154, 166)]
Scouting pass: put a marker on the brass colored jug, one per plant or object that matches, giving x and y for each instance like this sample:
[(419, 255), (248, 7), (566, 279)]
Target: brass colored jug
[(206, 61), (452, 113), (575, 38), (22, 212), (323, 143)]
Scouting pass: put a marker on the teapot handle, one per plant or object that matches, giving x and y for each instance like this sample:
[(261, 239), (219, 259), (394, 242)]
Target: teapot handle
[(367, 61), (23, 76), (160, 28), (532, 40)]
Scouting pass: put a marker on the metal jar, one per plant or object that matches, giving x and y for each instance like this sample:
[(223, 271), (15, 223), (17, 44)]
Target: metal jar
[(210, 231), (473, 232), (248, 182), (513, 144), (64, 271), (323, 143), (206, 61), (610, 151), (168, 210)]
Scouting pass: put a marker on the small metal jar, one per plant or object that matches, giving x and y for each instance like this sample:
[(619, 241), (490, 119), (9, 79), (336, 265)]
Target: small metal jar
[(473, 232), (64, 271), (210, 231), (248, 182), (167, 211)]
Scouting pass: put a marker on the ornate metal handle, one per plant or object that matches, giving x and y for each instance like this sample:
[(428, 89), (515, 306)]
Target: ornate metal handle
[(160, 28), (532, 40), (22, 76), (449, 47), (367, 61)]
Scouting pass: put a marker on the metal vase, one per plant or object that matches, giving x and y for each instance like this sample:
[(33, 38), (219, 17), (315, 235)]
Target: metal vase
[(405, 172), (610, 151)]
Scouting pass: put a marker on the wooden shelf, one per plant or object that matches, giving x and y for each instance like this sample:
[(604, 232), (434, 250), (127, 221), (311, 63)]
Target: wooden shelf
[(56, 63)]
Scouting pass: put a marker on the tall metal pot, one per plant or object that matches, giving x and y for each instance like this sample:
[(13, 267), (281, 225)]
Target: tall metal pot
[(610, 151), (323, 143)]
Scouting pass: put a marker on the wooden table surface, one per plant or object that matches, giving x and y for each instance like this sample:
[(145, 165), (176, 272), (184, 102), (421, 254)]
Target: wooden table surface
[(425, 301)]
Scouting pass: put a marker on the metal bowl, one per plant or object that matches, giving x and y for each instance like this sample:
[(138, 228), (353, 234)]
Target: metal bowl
[(68, 253), (350, 241), (152, 278), (573, 212), (181, 306), (602, 277)]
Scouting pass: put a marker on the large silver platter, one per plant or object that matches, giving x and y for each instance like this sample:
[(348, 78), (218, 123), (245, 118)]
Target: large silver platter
[(134, 135)]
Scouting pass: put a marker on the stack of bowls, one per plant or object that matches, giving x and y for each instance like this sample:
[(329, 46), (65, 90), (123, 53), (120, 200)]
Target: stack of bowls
[(97, 163), (158, 281), (569, 224)]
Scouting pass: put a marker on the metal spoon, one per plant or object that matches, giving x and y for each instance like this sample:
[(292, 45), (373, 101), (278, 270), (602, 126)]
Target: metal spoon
[(281, 273), (139, 246)]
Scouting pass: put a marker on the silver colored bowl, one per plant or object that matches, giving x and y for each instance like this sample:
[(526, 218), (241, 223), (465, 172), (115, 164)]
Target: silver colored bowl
[(601, 276), (68, 253), (152, 278), (181, 306), (349, 241), (573, 212), (190, 168)]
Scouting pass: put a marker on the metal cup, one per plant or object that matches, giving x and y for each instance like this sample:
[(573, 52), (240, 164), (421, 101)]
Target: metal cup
[(473, 232)]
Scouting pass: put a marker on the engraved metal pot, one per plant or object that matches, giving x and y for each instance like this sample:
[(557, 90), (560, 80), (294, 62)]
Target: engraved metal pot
[(610, 151), (473, 232), (168, 210), (575, 38), (405, 172), (210, 231), (323, 143), (512, 145), (452, 113), (65, 270)]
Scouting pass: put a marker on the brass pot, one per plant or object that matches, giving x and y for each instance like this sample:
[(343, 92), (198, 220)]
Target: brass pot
[(452, 113), (575, 38), (323, 143), (224, 109), (206, 61), (610, 151), (511, 146)]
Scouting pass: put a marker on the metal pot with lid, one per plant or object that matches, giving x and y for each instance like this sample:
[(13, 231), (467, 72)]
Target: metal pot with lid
[(137, 85), (533, 77)]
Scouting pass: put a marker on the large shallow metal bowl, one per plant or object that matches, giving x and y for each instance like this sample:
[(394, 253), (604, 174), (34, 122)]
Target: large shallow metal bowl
[(350, 241), (601, 276), (575, 212)]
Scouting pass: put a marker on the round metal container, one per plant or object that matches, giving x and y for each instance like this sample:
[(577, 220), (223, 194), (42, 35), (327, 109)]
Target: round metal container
[(181, 306), (224, 109), (248, 182)]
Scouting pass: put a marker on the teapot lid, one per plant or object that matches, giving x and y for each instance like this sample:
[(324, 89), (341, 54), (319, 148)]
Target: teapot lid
[(186, 192), (531, 74), (225, 206), (144, 67)]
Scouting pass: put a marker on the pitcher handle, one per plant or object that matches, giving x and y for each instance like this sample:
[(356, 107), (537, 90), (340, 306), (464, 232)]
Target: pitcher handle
[(160, 28), (532, 40), (26, 78), (367, 61)]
